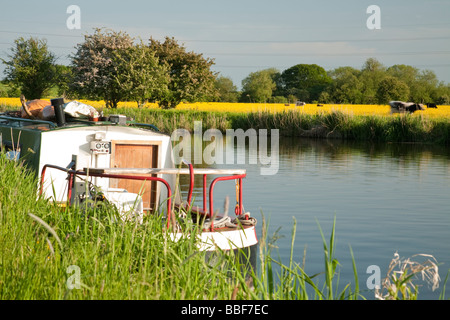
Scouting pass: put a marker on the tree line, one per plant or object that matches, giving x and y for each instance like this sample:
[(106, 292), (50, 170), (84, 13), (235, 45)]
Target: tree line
[(110, 66), (113, 67), (372, 84)]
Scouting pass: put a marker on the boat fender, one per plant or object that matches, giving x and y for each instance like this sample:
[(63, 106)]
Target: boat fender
[(245, 219), (219, 223)]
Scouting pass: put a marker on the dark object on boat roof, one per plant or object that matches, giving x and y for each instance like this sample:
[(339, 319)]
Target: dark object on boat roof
[(59, 112)]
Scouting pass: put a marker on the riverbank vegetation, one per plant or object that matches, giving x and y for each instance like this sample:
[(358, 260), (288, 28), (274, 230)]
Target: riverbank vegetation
[(363, 123), (51, 252), (353, 122), (336, 124)]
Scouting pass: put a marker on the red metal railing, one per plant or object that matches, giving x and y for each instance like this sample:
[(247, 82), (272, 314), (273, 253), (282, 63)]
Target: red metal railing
[(211, 200), (170, 218), (191, 182), (73, 173)]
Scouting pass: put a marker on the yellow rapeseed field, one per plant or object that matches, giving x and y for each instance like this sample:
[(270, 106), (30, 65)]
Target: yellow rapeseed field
[(442, 111)]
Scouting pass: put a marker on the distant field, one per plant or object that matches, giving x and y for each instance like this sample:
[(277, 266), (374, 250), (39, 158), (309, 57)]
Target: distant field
[(442, 111)]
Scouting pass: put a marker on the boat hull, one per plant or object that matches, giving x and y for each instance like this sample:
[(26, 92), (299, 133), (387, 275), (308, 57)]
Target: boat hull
[(65, 159), (245, 258), (240, 244)]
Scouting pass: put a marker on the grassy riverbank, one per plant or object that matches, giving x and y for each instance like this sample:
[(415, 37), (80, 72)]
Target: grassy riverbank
[(336, 124), (44, 246), (49, 252), (352, 122)]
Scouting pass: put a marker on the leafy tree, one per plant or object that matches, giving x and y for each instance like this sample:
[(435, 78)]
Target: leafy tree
[(276, 78), (278, 99), (427, 84), (94, 71), (391, 88), (442, 94), (373, 65), (63, 77), (190, 75), (31, 67), (305, 81), (138, 72), (345, 86), (8, 90), (371, 75), (4, 89), (408, 74), (258, 86), (226, 90), (325, 97)]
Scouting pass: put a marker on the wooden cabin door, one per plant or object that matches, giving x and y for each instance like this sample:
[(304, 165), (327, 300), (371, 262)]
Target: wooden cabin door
[(136, 154)]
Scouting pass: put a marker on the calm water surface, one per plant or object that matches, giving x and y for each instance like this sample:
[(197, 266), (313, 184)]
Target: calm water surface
[(386, 198)]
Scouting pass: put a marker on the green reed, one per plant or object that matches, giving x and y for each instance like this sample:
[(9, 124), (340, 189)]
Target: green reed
[(291, 282), (336, 125), (42, 242)]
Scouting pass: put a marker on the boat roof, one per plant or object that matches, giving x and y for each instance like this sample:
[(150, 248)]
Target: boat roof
[(12, 120)]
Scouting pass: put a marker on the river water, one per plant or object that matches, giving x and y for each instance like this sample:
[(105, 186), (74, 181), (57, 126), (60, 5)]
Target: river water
[(386, 199)]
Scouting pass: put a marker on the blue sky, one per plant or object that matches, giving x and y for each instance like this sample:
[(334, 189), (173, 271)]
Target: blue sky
[(247, 35)]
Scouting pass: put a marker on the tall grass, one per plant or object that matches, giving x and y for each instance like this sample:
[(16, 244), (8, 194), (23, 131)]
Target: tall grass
[(292, 282), (336, 124), (42, 243)]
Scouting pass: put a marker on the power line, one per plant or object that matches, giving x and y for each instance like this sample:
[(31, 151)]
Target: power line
[(321, 40), (279, 41), (42, 34), (293, 55), (288, 66), (327, 54), (259, 41), (51, 46)]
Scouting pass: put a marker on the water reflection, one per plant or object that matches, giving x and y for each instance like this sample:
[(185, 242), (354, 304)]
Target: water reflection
[(385, 197), (291, 148)]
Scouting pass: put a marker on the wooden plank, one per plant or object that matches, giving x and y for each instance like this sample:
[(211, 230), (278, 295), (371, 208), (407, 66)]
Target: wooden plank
[(164, 171)]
